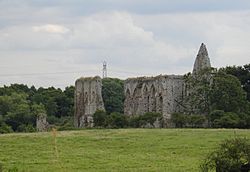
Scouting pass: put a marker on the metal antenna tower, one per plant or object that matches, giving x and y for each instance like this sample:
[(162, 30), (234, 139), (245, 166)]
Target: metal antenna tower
[(104, 70)]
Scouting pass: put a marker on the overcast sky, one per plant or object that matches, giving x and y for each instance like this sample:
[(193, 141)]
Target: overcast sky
[(54, 42)]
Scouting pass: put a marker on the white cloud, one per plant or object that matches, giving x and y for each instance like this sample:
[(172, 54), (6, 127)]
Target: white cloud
[(226, 34), (51, 28), (136, 44), (110, 29)]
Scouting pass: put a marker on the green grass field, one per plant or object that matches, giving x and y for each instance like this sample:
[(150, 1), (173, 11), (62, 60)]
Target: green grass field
[(112, 150)]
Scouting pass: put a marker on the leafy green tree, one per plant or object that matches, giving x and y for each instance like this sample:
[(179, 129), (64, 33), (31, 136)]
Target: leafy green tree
[(4, 128), (218, 94), (5, 104), (198, 86), (20, 116), (227, 94), (112, 93), (69, 93), (51, 107), (211, 90), (19, 112), (65, 102), (243, 74), (230, 156), (36, 109), (48, 98), (62, 108), (56, 103)]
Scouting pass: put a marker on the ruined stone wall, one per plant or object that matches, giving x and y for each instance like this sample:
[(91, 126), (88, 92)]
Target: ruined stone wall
[(88, 99), (161, 94)]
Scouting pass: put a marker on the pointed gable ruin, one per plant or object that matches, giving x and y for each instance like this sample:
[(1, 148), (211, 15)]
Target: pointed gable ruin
[(202, 60)]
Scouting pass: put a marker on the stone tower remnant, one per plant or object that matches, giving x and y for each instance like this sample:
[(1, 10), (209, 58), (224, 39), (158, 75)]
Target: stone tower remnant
[(88, 99), (202, 60)]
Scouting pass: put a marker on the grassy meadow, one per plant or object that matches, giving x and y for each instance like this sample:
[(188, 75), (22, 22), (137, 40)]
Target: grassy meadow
[(108, 150)]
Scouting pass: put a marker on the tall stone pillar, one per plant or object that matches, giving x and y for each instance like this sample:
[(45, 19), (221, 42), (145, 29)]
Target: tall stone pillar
[(88, 99)]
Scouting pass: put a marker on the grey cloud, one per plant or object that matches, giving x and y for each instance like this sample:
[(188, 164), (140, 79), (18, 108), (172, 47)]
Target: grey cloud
[(79, 7), (135, 37)]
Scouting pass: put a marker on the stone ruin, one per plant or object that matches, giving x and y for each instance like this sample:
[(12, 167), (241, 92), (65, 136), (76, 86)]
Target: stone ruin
[(88, 99), (41, 122), (202, 60), (162, 94)]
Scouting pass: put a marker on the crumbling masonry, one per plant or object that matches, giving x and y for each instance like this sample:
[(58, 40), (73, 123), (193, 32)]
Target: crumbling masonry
[(163, 93), (88, 99), (153, 94)]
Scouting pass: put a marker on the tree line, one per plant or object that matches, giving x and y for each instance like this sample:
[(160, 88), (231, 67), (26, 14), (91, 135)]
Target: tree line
[(20, 105)]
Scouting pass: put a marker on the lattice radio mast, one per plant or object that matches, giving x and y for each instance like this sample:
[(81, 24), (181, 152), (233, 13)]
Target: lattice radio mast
[(104, 70)]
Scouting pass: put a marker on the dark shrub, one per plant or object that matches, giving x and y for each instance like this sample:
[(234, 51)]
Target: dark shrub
[(26, 128), (215, 115), (196, 121), (179, 119), (229, 120), (142, 120), (99, 118), (149, 117), (231, 156), (221, 119), (116, 120), (134, 121), (4, 128)]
